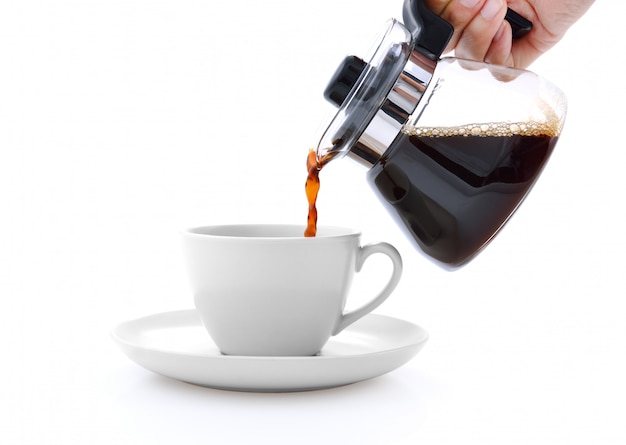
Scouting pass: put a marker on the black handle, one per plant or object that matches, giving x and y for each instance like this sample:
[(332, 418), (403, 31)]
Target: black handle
[(520, 25), (432, 33)]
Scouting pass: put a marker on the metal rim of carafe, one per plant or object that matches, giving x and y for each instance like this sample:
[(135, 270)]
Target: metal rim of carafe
[(364, 128), (398, 106)]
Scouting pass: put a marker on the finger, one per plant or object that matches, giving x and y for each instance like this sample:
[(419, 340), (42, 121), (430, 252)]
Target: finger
[(479, 33), (436, 6), (524, 52), (459, 13), (499, 53)]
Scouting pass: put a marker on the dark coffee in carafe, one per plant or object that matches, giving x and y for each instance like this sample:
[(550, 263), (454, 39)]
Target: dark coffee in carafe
[(453, 188)]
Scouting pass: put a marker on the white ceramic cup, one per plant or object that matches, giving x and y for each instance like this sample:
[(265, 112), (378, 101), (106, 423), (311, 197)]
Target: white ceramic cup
[(266, 290)]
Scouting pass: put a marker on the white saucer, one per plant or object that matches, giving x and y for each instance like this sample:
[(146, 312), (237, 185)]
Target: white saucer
[(175, 344)]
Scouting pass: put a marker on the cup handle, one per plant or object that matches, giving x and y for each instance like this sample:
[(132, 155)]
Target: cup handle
[(364, 252)]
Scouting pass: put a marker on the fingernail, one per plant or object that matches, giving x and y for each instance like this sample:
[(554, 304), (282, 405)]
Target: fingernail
[(469, 3), (490, 9)]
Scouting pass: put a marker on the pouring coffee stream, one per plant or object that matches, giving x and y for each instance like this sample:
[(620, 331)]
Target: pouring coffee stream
[(448, 166)]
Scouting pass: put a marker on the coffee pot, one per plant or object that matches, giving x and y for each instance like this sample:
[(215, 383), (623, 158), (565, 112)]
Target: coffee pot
[(452, 146)]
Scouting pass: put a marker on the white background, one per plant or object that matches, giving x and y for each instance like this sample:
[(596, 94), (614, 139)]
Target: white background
[(124, 121)]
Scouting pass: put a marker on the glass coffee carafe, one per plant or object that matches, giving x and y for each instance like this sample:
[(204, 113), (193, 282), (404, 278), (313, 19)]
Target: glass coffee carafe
[(452, 146)]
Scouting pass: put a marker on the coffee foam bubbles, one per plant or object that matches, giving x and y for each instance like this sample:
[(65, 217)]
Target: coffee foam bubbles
[(500, 129)]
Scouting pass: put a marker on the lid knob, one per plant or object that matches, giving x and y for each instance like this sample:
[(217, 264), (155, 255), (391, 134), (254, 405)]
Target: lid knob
[(344, 79)]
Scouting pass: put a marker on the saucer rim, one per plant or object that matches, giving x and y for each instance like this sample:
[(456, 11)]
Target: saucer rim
[(424, 336), (273, 373)]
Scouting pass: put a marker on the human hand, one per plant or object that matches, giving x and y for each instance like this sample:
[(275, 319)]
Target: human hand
[(481, 33)]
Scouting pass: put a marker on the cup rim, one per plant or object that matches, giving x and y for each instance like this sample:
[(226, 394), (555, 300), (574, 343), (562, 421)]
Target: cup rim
[(268, 231)]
